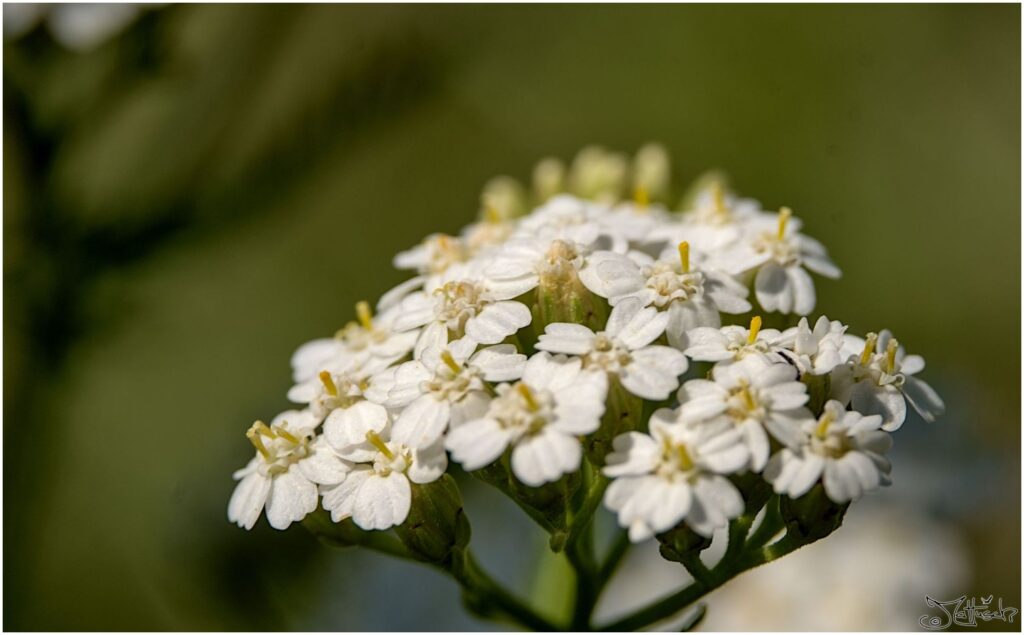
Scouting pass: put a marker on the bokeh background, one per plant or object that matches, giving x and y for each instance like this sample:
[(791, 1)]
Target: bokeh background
[(192, 191)]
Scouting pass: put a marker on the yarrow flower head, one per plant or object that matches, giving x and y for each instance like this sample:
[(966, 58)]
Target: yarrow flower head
[(585, 341)]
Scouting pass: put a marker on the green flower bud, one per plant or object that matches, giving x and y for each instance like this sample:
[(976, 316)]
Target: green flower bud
[(623, 413), (680, 543), (436, 523), (812, 516)]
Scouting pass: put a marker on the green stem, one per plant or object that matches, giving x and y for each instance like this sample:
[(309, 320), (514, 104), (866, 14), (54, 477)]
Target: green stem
[(770, 525), (613, 559), (476, 581)]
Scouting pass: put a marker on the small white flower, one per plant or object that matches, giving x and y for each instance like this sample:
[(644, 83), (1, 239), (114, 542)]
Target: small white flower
[(448, 386), (572, 220), (522, 263), (692, 297), (464, 307), (881, 381), (433, 256), (540, 416), (736, 343), (816, 351), (624, 349), (284, 474), (368, 340), (780, 255), (675, 474), (842, 448), (376, 493), (755, 396)]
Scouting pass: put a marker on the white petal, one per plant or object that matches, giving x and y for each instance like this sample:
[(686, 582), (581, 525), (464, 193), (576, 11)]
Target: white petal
[(340, 499), (572, 339), (382, 502), (323, 466), (345, 428), (643, 328), (707, 345), (803, 290), (422, 422), (433, 338), (545, 456), (544, 371), (428, 464), (632, 454), (291, 498), (499, 363), (475, 444), (685, 315), (773, 288), (248, 499), (408, 384), (497, 321), (923, 398)]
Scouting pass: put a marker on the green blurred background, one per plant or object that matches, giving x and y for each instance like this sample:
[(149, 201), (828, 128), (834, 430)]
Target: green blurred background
[(191, 197)]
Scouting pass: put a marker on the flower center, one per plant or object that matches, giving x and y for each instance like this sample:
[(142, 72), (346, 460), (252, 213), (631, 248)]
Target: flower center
[(277, 446), (451, 380), (443, 251), (391, 457), (523, 410), (676, 460), (460, 301), (362, 334), (671, 285), (607, 355), (781, 247), (745, 403)]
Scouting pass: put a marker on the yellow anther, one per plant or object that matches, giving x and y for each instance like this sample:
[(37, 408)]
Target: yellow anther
[(641, 196), (683, 457), (365, 314), (684, 256), (718, 196), (890, 355), (869, 348), (755, 328), (378, 443), (748, 399), (784, 214), (284, 434), (491, 213), (328, 382), (527, 395), (253, 434), (823, 424), (449, 361)]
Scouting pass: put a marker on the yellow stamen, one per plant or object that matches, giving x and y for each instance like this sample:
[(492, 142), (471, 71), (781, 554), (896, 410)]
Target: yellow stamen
[(683, 456), (869, 348), (449, 361), (641, 196), (284, 434), (684, 256), (748, 399), (328, 382), (527, 395), (718, 196), (364, 313), (755, 328), (890, 355), (378, 443), (823, 424), (491, 214), (253, 434), (784, 215)]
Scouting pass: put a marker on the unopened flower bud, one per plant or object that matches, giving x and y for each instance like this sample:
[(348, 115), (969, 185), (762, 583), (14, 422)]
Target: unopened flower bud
[(436, 524), (813, 515)]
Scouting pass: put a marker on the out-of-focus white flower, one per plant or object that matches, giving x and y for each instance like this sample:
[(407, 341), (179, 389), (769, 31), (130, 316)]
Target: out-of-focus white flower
[(779, 255), (369, 341), (755, 396), (675, 474), (283, 476), (376, 493), (843, 449), (624, 349), (448, 386), (881, 381), (540, 417)]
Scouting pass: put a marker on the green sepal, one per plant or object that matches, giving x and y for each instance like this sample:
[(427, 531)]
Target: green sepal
[(437, 523)]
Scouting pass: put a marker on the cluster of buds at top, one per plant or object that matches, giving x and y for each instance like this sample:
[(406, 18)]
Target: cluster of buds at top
[(582, 332)]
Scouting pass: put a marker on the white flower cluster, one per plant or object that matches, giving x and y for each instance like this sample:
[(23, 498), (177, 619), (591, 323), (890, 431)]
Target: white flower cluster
[(511, 337)]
